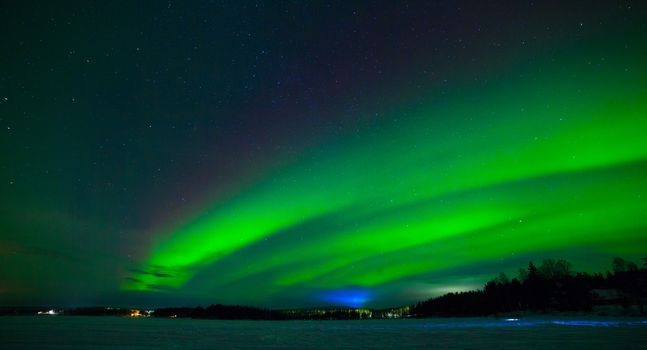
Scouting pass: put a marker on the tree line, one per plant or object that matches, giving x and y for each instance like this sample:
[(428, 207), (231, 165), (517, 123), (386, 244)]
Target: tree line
[(549, 287), (237, 312), (219, 311)]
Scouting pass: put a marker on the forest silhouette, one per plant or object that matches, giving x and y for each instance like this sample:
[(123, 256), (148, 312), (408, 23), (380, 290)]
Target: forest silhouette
[(549, 287)]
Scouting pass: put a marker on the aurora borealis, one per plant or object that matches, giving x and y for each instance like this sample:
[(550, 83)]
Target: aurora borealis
[(292, 155)]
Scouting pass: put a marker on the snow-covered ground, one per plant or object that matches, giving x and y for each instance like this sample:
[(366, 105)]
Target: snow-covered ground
[(66, 332)]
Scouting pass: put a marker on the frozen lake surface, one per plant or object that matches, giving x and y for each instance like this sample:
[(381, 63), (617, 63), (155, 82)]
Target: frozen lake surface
[(67, 332)]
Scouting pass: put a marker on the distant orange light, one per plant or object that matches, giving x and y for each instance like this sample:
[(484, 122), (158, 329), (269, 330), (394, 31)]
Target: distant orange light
[(135, 313)]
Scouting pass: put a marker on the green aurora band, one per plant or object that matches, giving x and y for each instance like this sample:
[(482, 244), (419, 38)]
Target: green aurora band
[(543, 158)]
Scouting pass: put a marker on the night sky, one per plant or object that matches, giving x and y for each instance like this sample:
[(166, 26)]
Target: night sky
[(291, 154)]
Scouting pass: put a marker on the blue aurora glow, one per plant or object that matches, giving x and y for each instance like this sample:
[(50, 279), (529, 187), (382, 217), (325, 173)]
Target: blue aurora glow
[(347, 297)]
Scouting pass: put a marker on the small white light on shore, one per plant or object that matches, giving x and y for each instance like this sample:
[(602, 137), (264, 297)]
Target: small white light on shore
[(49, 312)]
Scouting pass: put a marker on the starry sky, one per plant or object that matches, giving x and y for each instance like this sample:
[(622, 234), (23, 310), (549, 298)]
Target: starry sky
[(294, 154)]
